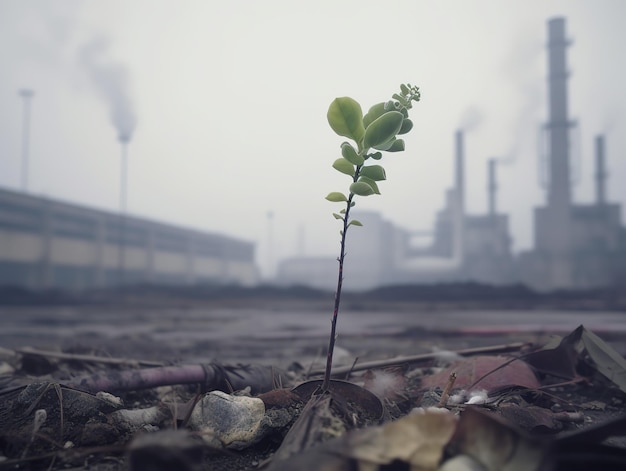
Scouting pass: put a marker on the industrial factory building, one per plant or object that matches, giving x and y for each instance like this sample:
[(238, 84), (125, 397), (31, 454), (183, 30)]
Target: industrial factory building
[(575, 246), (50, 244), (46, 243)]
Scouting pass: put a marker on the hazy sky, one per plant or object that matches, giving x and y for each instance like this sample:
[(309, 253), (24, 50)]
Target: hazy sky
[(228, 104)]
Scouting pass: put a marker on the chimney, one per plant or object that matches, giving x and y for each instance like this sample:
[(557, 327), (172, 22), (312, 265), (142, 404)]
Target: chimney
[(601, 174), (124, 139), (554, 231), (459, 193), (559, 191)]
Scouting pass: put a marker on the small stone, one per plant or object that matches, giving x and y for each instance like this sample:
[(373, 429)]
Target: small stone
[(228, 421), (556, 407), (110, 398)]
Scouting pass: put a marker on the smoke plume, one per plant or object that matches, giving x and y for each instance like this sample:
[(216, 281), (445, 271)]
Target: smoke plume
[(471, 119), (111, 80)]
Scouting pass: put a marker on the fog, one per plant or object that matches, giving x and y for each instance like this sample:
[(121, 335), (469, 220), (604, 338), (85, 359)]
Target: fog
[(224, 106)]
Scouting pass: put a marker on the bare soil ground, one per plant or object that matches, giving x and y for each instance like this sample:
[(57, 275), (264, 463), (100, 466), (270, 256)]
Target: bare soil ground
[(174, 330)]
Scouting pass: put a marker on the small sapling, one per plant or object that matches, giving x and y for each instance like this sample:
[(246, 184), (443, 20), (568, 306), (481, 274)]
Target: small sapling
[(371, 135)]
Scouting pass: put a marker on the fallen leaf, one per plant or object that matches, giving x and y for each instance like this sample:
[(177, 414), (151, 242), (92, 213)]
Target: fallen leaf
[(607, 361), (531, 418), (491, 373), (581, 346), (496, 444), (416, 441)]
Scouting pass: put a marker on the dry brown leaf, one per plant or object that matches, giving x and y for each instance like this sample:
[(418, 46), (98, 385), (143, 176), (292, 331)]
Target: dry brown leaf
[(496, 444), (417, 439), (531, 418), (581, 346), (485, 372)]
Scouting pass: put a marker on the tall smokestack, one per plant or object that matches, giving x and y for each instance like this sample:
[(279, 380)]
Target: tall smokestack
[(558, 220), (460, 170), (601, 174), (459, 193), (124, 140), (559, 191), (492, 187)]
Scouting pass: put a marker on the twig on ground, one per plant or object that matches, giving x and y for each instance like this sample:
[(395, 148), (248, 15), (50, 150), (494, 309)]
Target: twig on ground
[(511, 347), (446, 392), (87, 358)]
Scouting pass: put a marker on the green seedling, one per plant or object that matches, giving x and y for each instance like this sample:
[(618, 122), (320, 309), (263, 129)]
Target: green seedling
[(371, 134)]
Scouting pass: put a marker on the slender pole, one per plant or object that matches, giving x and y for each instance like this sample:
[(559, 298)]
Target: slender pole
[(270, 245), (123, 208), (600, 172), (123, 175), (492, 187), (26, 95)]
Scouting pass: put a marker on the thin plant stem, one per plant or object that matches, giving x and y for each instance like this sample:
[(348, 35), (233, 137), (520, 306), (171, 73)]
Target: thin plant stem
[(342, 253)]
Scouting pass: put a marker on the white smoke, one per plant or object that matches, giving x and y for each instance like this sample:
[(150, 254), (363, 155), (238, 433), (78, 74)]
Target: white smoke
[(111, 80), (472, 118), (610, 120), (523, 70)]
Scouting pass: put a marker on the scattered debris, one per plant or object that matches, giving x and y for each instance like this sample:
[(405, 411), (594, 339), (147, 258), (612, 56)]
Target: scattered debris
[(549, 409)]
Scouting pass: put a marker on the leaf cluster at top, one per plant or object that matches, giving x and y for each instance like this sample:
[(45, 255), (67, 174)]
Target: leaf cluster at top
[(373, 133)]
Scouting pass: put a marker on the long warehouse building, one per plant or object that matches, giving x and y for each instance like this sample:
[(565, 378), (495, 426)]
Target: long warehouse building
[(46, 243)]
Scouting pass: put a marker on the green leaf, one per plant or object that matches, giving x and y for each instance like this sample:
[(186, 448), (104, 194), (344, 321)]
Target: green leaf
[(386, 145), (396, 146), (344, 166), (376, 156), (383, 129), (375, 172), (407, 125), (371, 183), (338, 216), (361, 189), (343, 211), (346, 118), (350, 154), (404, 89), (355, 222), (374, 112), (336, 197), (390, 106)]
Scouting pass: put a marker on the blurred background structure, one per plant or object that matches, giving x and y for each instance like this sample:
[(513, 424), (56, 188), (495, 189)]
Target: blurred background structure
[(50, 243), (576, 246), (47, 244)]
